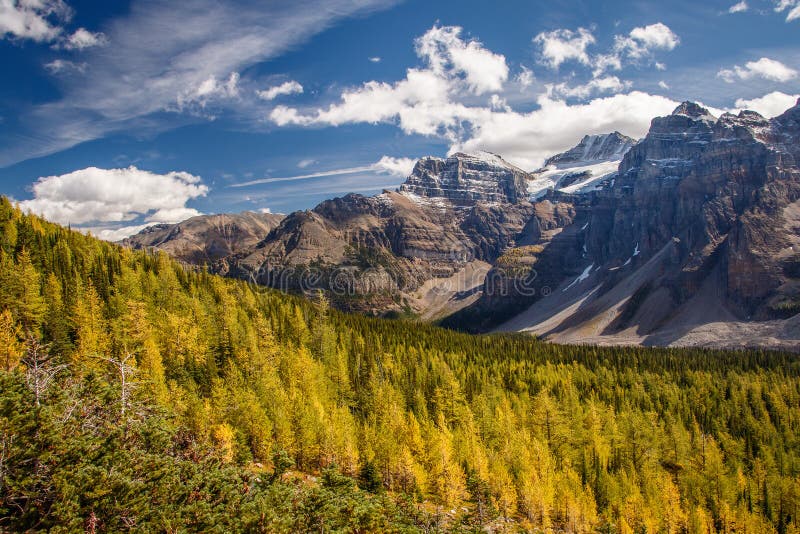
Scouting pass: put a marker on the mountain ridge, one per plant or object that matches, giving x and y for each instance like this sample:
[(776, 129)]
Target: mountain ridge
[(699, 192)]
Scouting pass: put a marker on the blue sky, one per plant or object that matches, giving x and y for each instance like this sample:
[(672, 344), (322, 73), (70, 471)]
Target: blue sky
[(116, 115)]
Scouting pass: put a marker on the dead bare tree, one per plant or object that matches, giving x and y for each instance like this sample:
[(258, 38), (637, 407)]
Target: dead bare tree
[(40, 369), (125, 371)]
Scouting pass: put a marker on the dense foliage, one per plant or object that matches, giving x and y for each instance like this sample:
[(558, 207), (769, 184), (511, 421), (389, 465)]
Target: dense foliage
[(136, 394)]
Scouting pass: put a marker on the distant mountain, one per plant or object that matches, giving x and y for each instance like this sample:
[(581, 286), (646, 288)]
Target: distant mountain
[(467, 179), (696, 241), (689, 236), (206, 239), (584, 168)]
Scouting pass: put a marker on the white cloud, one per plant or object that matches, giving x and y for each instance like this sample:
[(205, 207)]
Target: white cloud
[(606, 84), (435, 101), (739, 7), (82, 39), (311, 176), (562, 45), (162, 51), (95, 195), (114, 233), (422, 102), (286, 88), (644, 40), (639, 45), (39, 20), (525, 78), (209, 90), (527, 139), (496, 102), (375, 59), (766, 68), (664, 85), (58, 66), (660, 66), (769, 105), (400, 167), (793, 6), (303, 163), (447, 55)]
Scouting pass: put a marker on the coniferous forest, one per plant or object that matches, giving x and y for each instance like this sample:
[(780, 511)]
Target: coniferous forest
[(139, 395)]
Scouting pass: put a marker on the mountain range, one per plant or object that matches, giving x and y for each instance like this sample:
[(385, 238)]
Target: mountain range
[(689, 236)]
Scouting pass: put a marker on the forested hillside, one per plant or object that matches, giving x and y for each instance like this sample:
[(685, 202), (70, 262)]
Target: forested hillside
[(137, 395)]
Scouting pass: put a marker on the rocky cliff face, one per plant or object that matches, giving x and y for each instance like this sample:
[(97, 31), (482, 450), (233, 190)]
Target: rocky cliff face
[(688, 236), (464, 180), (376, 253), (699, 228)]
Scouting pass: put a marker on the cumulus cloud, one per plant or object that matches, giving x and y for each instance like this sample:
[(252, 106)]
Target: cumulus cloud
[(525, 78), (766, 68), (769, 105), (286, 88), (664, 85), (605, 84), (644, 40), (447, 54), (38, 20), (82, 39), (527, 139), (422, 101), (94, 195), (639, 45), (739, 7), (375, 59), (400, 167), (562, 45), (792, 7), (209, 90), (436, 100)]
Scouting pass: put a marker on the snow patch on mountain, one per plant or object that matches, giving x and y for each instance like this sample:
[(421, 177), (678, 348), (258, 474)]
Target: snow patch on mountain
[(584, 168)]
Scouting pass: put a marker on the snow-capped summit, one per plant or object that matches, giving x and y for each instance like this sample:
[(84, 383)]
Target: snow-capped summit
[(593, 148), (582, 168)]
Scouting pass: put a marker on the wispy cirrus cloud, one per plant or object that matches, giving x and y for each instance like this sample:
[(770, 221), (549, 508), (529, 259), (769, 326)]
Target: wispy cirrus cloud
[(131, 81), (400, 167)]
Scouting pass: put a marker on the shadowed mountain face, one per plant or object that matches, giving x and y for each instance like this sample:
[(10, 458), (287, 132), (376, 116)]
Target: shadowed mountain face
[(689, 236)]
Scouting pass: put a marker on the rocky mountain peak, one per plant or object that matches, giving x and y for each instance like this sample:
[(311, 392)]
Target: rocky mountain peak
[(463, 180), (594, 148), (693, 110)]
